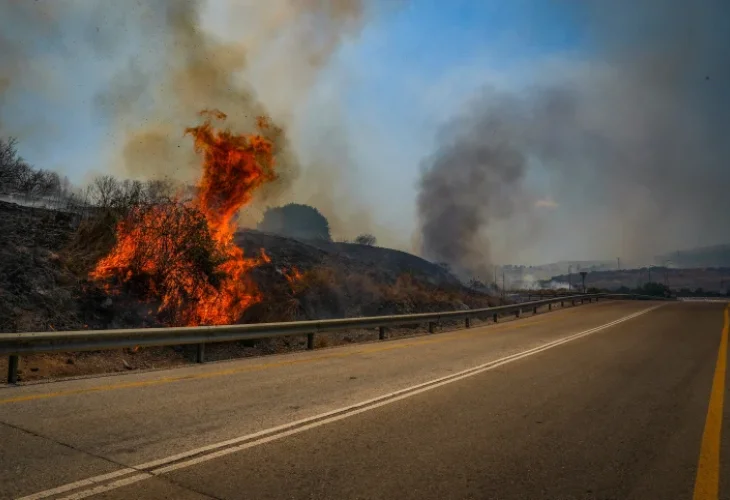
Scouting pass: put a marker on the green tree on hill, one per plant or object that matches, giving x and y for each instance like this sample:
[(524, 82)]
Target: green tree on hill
[(296, 221)]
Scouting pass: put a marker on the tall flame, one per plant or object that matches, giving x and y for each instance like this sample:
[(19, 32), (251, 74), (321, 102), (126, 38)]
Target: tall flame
[(183, 254)]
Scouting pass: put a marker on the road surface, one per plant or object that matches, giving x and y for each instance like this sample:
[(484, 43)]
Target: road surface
[(614, 400)]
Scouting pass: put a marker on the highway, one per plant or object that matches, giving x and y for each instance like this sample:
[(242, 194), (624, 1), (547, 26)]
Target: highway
[(613, 400)]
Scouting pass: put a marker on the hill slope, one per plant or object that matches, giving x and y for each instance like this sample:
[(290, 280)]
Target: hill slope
[(43, 283)]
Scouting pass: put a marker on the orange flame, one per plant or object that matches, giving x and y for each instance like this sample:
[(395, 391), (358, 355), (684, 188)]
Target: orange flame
[(158, 250), (293, 275)]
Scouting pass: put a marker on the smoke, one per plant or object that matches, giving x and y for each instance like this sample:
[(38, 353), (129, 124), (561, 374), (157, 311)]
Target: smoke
[(20, 23), (187, 68), (472, 180), (630, 135), (161, 62)]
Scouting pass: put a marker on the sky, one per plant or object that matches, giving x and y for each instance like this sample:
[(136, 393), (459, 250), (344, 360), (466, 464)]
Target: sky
[(415, 69), (375, 113)]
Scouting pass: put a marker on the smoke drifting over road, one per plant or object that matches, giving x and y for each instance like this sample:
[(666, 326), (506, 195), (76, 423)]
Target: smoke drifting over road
[(633, 137)]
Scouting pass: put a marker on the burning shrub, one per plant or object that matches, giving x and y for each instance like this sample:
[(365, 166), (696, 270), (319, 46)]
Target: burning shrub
[(166, 252), (182, 255)]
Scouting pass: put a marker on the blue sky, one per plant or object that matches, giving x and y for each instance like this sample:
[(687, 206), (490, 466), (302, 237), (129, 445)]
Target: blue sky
[(412, 68)]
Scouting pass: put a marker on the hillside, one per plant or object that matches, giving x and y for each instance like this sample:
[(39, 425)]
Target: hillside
[(45, 258)]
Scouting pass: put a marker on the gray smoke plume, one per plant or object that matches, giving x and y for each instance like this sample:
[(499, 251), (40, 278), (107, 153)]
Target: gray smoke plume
[(472, 180), (632, 138)]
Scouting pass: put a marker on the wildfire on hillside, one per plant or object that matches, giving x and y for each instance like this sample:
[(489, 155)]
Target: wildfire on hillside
[(182, 254)]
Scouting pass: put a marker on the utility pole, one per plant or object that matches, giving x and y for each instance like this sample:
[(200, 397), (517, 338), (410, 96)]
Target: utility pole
[(503, 282), (583, 278), (618, 263)]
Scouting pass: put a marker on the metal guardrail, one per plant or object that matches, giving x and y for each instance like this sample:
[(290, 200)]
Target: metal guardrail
[(16, 344)]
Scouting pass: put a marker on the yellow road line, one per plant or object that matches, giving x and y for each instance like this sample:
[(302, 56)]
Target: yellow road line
[(707, 483), (260, 367)]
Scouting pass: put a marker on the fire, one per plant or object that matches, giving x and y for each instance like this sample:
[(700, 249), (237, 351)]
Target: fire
[(293, 275), (183, 254), (234, 166)]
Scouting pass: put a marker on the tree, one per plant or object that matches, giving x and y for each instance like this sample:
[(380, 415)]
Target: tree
[(10, 164), (296, 221), (104, 190), (366, 239), (158, 190)]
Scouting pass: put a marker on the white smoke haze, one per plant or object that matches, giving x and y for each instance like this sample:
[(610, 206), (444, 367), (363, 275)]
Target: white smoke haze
[(632, 139), (556, 285)]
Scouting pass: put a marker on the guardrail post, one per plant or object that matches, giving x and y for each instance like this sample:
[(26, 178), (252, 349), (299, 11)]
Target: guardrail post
[(573, 301), (550, 306), (310, 341), (200, 354), (13, 370), (381, 333), (534, 310), (518, 313), (431, 327), (562, 303), (467, 322), (496, 318)]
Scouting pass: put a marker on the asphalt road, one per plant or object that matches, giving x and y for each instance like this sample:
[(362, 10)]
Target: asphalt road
[(615, 400)]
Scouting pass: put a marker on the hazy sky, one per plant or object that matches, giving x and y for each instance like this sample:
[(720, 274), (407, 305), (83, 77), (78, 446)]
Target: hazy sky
[(376, 110)]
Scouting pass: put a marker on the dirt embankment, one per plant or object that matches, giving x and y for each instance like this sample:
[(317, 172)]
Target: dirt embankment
[(45, 256)]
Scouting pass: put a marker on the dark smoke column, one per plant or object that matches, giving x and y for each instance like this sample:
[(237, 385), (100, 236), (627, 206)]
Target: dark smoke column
[(471, 180)]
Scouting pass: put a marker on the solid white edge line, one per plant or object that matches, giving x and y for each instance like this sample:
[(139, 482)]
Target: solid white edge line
[(301, 425), (78, 484)]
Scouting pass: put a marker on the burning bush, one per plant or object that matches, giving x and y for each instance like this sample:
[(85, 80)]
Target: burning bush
[(182, 255), (166, 252)]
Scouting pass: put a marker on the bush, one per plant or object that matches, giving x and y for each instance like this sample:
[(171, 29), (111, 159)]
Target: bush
[(366, 239), (165, 253), (296, 221)]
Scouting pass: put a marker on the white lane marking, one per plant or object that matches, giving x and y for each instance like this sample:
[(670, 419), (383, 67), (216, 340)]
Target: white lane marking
[(159, 467), (107, 487), (79, 484)]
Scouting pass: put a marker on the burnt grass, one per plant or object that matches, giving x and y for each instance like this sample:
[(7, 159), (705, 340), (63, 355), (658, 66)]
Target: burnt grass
[(45, 257)]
